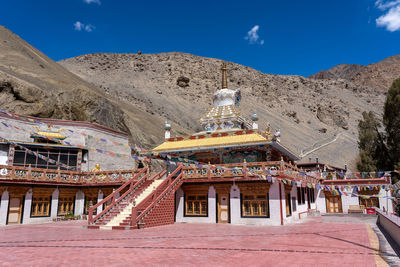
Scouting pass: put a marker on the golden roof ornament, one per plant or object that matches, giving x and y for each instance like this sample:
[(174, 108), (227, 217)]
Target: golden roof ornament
[(224, 77)]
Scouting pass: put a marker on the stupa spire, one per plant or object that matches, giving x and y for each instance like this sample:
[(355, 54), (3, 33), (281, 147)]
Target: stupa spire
[(224, 78)]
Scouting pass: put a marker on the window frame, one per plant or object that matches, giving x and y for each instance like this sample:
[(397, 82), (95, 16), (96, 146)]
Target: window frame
[(53, 153), (242, 215), (185, 208), (33, 206), (61, 202)]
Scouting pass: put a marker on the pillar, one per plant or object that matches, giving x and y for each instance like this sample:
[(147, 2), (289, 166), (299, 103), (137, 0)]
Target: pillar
[(27, 206), (79, 205), (54, 203), (5, 198), (212, 204), (235, 204), (100, 197)]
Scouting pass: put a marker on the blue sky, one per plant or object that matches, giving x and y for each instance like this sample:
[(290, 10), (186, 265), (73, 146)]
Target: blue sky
[(279, 37)]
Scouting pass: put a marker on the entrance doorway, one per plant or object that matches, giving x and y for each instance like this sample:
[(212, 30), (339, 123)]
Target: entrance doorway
[(15, 210), (333, 204), (223, 208), (288, 205)]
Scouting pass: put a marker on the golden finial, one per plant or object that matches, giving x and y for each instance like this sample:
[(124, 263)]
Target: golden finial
[(224, 78)]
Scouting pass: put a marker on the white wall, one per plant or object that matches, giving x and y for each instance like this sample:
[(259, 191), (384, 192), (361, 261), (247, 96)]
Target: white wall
[(180, 208), (4, 154), (274, 208), (4, 208), (348, 200), (320, 201), (384, 202)]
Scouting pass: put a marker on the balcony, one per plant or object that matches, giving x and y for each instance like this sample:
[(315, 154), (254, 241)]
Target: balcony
[(247, 171), (14, 174)]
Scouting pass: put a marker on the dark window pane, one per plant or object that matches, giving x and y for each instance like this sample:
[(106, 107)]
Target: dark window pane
[(19, 157)]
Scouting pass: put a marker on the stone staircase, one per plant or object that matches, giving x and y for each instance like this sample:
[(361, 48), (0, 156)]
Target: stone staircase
[(123, 217)]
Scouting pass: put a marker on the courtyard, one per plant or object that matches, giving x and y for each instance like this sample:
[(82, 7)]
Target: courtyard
[(321, 240)]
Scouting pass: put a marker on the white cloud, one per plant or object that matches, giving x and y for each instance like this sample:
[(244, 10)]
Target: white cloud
[(252, 36), (79, 26), (92, 1), (89, 27), (391, 18)]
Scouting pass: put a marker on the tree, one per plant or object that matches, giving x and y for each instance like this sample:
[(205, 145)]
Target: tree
[(391, 121), (368, 142)]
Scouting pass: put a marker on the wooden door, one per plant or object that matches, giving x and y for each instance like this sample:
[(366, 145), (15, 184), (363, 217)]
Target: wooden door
[(223, 208), (15, 210), (288, 206), (334, 204)]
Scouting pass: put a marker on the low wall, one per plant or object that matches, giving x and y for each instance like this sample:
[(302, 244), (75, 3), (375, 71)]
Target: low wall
[(391, 224)]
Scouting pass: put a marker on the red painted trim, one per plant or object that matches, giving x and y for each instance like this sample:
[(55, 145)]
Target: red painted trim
[(355, 181)]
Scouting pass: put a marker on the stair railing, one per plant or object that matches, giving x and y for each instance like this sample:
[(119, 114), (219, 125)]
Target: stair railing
[(133, 185), (169, 183)]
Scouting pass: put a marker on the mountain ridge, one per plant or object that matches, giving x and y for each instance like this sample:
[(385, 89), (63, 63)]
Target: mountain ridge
[(137, 93)]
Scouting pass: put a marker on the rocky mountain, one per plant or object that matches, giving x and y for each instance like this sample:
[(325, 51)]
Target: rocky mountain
[(377, 75), (33, 84), (138, 92), (320, 114)]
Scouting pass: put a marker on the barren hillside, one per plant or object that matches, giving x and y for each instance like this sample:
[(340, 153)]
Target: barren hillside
[(179, 87), (378, 75), (33, 84)]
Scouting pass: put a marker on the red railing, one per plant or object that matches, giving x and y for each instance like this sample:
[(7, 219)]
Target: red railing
[(133, 185), (144, 207), (27, 174)]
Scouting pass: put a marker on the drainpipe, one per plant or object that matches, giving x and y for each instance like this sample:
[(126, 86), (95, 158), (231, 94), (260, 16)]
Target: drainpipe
[(280, 201)]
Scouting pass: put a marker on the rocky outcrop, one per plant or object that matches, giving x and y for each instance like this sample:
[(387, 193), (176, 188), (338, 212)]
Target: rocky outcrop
[(376, 75)]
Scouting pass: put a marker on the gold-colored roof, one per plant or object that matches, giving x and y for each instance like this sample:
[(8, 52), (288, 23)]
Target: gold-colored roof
[(51, 134), (211, 142)]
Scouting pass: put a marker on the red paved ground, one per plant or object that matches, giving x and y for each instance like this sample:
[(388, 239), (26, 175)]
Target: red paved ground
[(67, 244)]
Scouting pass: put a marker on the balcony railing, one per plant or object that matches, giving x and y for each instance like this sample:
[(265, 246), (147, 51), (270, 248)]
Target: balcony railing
[(248, 170), (18, 174)]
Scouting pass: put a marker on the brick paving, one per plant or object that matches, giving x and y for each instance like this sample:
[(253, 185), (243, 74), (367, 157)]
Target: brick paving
[(312, 243)]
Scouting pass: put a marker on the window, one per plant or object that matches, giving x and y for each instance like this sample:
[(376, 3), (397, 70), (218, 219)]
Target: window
[(65, 206), (370, 202), (196, 205), (301, 197), (311, 196), (24, 159), (40, 206), (294, 207), (255, 206)]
